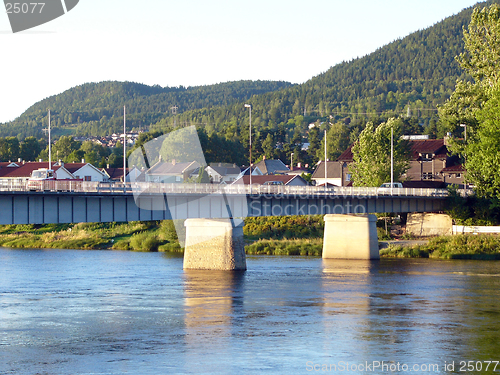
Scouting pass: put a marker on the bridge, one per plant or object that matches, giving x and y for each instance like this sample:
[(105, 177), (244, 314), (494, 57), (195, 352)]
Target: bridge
[(214, 211)]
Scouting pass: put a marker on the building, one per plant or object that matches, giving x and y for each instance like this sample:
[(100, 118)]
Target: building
[(170, 172), (84, 171), (223, 173), (22, 173), (116, 174), (273, 166), (430, 163), (333, 174), (287, 180)]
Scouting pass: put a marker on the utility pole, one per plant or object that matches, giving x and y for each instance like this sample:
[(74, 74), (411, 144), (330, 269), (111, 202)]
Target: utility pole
[(326, 169), (174, 112), (249, 106), (50, 146), (124, 146), (392, 158)]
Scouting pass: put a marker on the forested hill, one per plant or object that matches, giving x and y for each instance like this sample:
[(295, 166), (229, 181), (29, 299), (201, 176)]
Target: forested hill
[(418, 71), (97, 108)]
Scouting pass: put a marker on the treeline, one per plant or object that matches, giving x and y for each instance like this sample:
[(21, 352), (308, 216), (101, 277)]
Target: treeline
[(407, 79), (97, 108)]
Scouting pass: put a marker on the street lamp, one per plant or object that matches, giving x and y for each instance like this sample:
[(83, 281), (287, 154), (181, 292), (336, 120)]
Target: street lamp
[(249, 106), (291, 162)]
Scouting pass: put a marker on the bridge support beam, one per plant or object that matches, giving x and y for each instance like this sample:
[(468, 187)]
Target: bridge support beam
[(214, 244), (350, 237)]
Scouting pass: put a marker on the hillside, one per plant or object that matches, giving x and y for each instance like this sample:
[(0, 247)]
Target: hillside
[(97, 108), (415, 74), (418, 71)]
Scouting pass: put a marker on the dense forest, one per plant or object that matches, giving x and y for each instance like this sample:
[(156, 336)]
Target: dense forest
[(408, 78), (97, 108)]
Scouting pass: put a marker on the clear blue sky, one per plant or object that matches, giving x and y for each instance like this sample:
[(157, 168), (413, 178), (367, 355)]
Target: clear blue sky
[(199, 42)]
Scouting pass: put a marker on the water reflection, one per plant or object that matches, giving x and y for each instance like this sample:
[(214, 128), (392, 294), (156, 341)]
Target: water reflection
[(212, 300), (210, 297)]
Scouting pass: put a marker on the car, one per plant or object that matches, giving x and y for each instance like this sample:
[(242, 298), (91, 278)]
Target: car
[(273, 183), (386, 187)]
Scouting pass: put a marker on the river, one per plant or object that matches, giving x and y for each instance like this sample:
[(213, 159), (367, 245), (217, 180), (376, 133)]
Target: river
[(116, 312)]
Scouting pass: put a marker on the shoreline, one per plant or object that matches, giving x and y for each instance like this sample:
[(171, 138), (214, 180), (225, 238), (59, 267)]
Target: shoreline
[(161, 237)]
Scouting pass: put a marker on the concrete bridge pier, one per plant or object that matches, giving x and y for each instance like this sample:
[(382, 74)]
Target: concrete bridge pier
[(214, 244), (350, 237)]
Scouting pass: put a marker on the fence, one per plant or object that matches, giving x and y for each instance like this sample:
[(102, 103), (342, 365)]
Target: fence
[(78, 186)]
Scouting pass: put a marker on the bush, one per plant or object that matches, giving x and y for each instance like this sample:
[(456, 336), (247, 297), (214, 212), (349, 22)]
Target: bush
[(144, 241)]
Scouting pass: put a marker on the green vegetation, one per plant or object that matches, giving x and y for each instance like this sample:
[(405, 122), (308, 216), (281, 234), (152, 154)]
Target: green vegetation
[(97, 108), (313, 246), (283, 227), (412, 75), (372, 154), (468, 246), (474, 107), (138, 236)]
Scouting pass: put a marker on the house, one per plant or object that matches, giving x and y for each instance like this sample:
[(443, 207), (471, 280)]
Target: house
[(272, 180), (246, 172), (298, 170), (430, 161), (116, 174), (223, 173), (171, 172), (333, 174), (84, 171), (275, 166), (23, 172)]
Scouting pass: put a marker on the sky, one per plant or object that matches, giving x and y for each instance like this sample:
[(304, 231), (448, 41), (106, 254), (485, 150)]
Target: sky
[(199, 42)]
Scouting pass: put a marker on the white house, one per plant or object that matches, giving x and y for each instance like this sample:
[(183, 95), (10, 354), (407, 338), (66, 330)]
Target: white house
[(170, 172), (85, 171), (223, 173)]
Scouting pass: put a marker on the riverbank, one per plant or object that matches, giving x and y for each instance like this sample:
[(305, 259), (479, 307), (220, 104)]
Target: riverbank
[(464, 246), (135, 236), (293, 235)]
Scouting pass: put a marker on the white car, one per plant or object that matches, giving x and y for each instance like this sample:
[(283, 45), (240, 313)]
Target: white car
[(386, 187)]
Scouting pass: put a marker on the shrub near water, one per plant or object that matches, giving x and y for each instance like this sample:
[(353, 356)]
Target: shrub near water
[(286, 247), (144, 241), (465, 246)]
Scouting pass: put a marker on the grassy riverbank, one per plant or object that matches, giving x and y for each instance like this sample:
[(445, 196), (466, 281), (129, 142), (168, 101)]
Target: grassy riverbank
[(137, 236), (466, 246), (292, 235)]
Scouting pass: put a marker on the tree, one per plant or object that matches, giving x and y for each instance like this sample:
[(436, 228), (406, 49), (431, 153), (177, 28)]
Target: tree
[(482, 150), (372, 154), (480, 61), (30, 148), (476, 104), (268, 146), (337, 138)]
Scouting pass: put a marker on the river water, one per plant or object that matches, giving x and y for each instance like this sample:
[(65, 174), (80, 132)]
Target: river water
[(108, 312)]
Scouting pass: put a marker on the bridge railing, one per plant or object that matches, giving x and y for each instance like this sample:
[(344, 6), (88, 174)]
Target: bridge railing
[(206, 189)]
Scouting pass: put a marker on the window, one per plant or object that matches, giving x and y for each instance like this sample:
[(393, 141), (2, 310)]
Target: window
[(426, 157), (348, 177), (178, 179), (458, 175), (427, 176), (88, 178)]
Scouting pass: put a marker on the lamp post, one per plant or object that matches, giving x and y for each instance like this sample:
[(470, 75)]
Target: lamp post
[(291, 162), (124, 146), (249, 106)]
